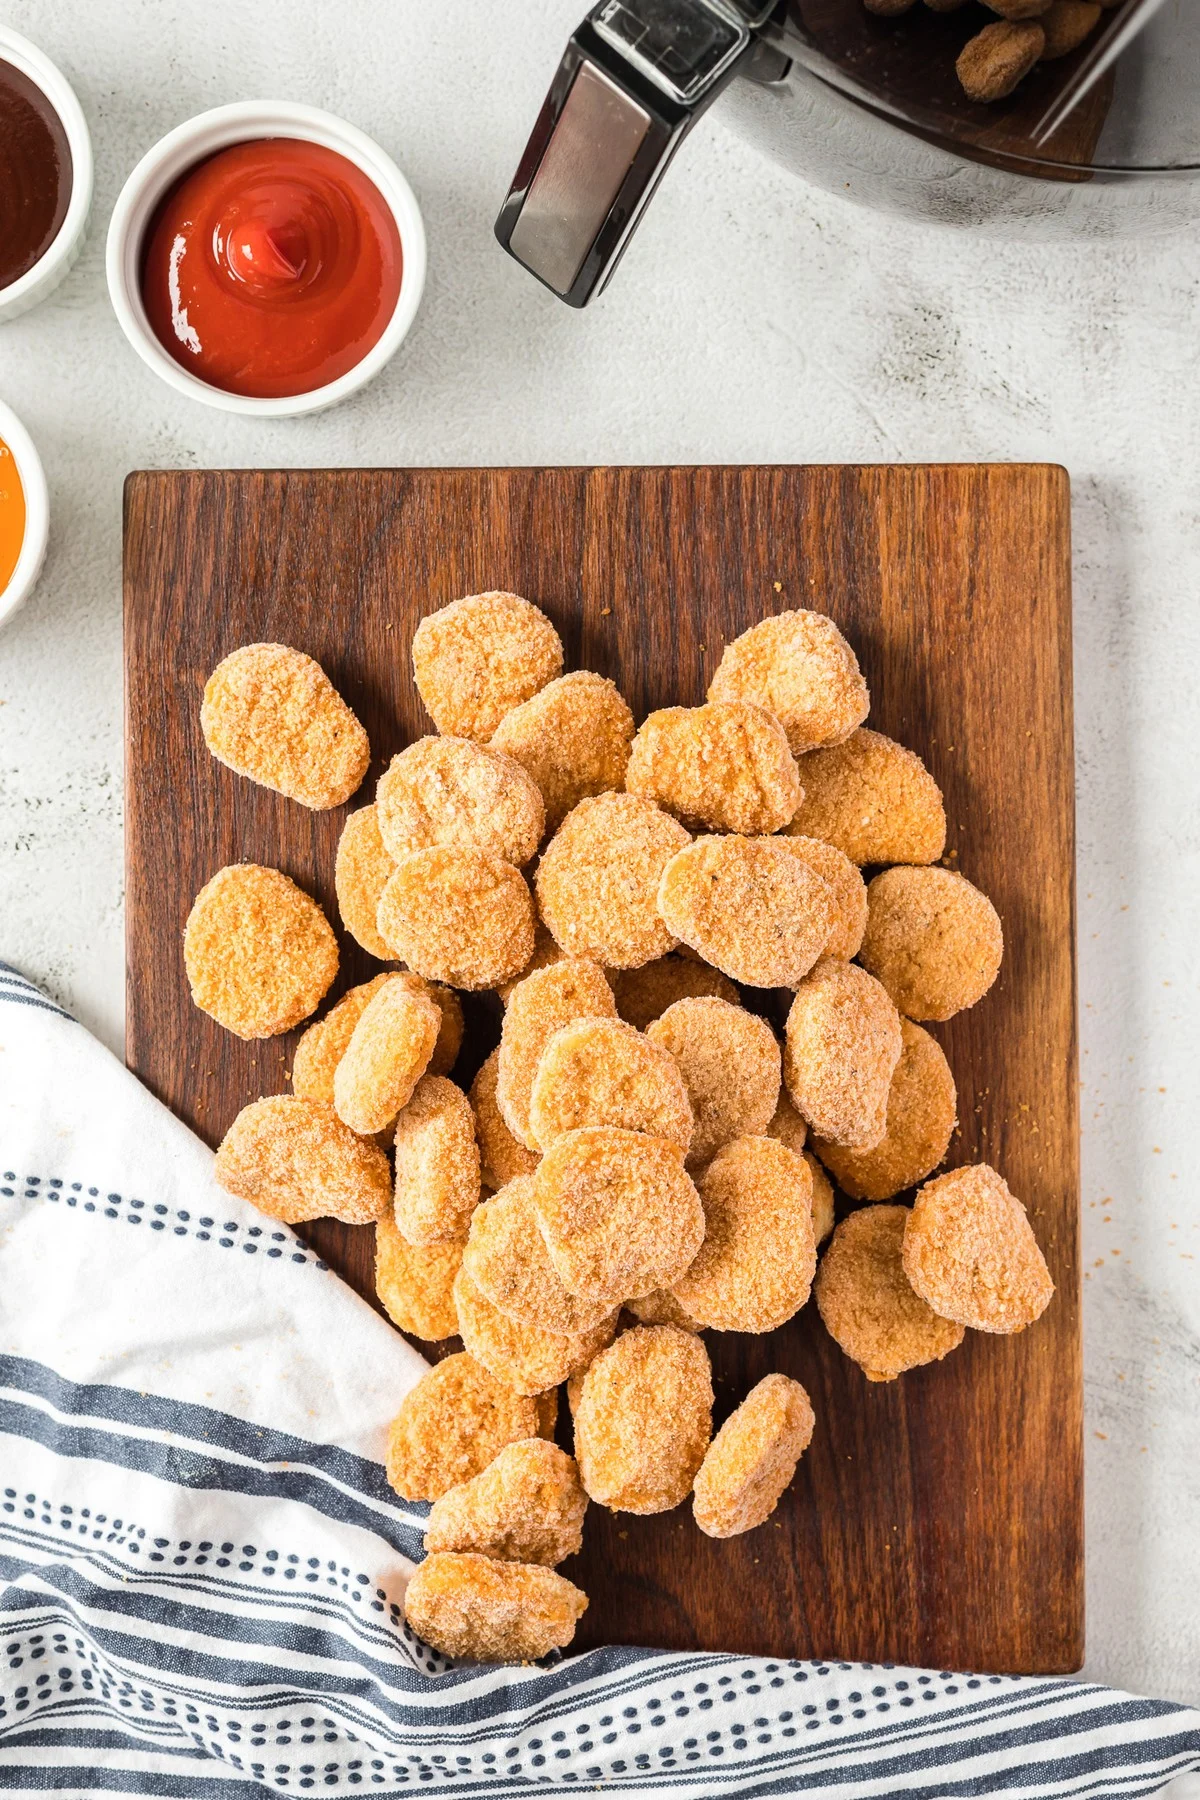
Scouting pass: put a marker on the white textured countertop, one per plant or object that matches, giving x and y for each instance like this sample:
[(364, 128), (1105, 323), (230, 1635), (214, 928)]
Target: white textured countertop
[(753, 319)]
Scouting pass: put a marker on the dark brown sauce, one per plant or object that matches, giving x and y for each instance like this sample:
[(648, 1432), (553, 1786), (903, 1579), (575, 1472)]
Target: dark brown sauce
[(35, 174)]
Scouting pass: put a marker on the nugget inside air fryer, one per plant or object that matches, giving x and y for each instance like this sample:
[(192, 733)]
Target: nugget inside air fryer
[(259, 952), (481, 1610), (597, 883), (841, 1048), (921, 1109), (389, 1050), (524, 1357), (748, 907), (507, 1259), (933, 940), (723, 767), (573, 738), (874, 799), (271, 713), (644, 994), (970, 1252), (800, 668), (361, 872), (644, 1419), (847, 888), (502, 1156), (296, 1160), (527, 1506), (437, 1164), (458, 915), (730, 1062), (415, 1282), (539, 1005), (755, 1267), (753, 1458), (446, 790), (451, 1425), (603, 1072), (867, 1303), (479, 657)]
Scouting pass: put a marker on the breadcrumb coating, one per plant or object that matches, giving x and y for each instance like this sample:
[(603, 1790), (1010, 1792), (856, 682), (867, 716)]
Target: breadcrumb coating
[(597, 883), (603, 1072), (573, 738), (867, 1303), (507, 1259), (662, 1308), (644, 994), (361, 872), (933, 940), (848, 890), (822, 1198), (970, 1252), (458, 915), (527, 1506), (798, 666), (437, 1164), (271, 713), (415, 1282), (786, 1125), (644, 1419), (922, 1106), (874, 799), (730, 1062), (755, 1267), (477, 658), (840, 1052), (753, 1458), (389, 1051), (526, 1358), (502, 1156), (538, 1006), (447, 790), (750, 908), (545, 952), (479, 1610), (295, 1160), (722, 767), (450, 1426), (322, 1047), (259, 952)]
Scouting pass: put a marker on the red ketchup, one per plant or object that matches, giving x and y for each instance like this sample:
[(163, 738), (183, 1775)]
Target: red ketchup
[(271, 268)]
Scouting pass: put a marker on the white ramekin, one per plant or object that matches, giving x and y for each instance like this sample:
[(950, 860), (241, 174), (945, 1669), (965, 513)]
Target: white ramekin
[(188, 145), (37, 513), (58, 260)]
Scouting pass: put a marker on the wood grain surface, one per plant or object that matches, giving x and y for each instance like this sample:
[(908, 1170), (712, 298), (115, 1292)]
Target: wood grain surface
[(936, 1519)]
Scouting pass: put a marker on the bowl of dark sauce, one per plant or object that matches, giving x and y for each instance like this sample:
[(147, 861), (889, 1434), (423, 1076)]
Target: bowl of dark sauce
[(45, 175)]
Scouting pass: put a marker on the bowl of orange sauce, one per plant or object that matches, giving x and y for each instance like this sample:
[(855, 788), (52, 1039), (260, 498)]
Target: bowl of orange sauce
[(24, 513)]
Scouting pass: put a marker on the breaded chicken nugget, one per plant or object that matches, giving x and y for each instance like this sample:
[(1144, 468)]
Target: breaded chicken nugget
[(437, 1164), (867, 1303), (847, 887), (296, 1160), (921, 1107), (874, 799), (840, 1052), (798, 666), (724, 767), (507, 1260), (502, 1156), (451, 1425), (756, 1264), (545, 952), (415, 1282), (970, 1252), (573, 738), (484, 1611), (644, 994), (547, 1413), (527, 1506), (322, 1047), (753, 1458), (933, 940), (479, 657), (662, 1308), (597, 882), (389, 1051), (822, 1198), (749, 907), (644, 1419), (526, 1358), (786, 1125), (447, 790), (259, 952), (730, 1062), (538, 1006), (458, 915), (272, 713), (603, 1072), (618, 1211), (361, 872)]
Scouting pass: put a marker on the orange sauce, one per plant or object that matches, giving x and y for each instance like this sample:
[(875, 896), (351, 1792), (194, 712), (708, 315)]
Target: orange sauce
[(12, 515)]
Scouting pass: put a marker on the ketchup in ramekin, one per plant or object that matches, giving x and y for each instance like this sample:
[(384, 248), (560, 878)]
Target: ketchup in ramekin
[(271, 268)]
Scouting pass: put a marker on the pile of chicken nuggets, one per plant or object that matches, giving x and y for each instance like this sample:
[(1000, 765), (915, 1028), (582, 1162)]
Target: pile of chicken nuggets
[(642, 1160)]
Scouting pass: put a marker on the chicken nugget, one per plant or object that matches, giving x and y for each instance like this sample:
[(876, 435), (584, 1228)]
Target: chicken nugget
[(785, 1125), (662, 1308), (477, 658), (644, 994), (507, 1260), (847, 887), (527, 1506), (970, 1252), (458, 915), (841, 1048), (295, 1160), (750, 908), (618, 1211), (480, 1610), (933, 940), (415, 1282), (644, 1419), (538, 1006), (447, 790), (547, 1413), (321, 1048), (755, 1267), (451, 1425), (724, 767), (874, 799), (598, 880), (798, 666), (573, 738), (545, 952), (502, 1156), (259, 952), (437, 1164), (753, 1458), (361, 872), (730, 1062), (526, 1358), (271, 713), (389, 1051), (867, 1303), (822, 1198), (921, 1107), (603, 1072)]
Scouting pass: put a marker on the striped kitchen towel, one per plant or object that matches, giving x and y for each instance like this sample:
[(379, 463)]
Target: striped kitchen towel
[(202, 1566)]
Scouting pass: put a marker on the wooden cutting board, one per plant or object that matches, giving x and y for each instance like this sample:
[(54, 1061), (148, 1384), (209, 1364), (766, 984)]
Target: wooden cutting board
[(936, 1519)]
